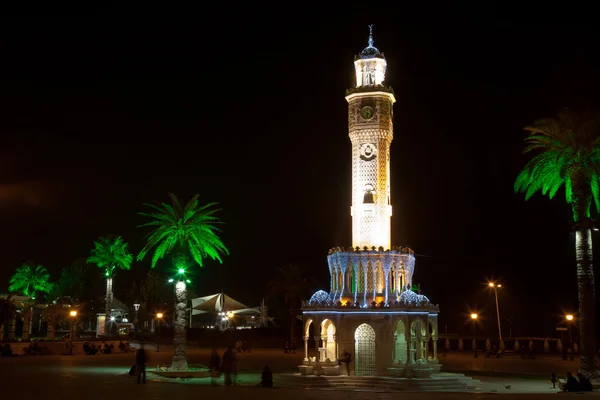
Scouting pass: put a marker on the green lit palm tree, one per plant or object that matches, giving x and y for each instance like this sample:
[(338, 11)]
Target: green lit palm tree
[(110, 253), (30, 280), (182, 232), (568, 150)]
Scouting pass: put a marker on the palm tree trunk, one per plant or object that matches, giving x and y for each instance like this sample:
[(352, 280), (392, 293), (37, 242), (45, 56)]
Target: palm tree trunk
[(108, 310), (585, 285), (581, 199), (180, 337)]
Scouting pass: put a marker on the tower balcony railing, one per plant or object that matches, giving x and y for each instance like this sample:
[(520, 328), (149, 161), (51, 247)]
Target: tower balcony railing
[(376, 307), (373, 88)]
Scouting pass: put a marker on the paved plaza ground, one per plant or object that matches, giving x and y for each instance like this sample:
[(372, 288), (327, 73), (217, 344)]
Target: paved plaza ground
[(99, 376)]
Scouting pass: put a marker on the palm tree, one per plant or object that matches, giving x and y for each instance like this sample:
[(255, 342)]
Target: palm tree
[(71, 282), (292, 282), (110, 253), (30, 280), (569, 153), (182, 232)]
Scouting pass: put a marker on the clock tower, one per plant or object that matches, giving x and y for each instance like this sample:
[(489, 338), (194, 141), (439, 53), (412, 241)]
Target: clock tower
[(370, 126)]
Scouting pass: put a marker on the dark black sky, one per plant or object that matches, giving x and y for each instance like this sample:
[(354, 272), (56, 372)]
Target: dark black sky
[(246, 107)]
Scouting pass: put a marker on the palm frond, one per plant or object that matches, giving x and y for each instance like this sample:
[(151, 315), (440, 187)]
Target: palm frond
[(109, 253), (189, 228), (567, 149)]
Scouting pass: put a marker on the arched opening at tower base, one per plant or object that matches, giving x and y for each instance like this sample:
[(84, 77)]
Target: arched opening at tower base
[(364, 342), (328, 342), (401, 346)]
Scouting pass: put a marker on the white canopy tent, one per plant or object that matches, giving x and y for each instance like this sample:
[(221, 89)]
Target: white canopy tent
[(220, 302)]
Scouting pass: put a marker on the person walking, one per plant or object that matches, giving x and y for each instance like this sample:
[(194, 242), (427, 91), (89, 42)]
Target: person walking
[(140, 364), (214, 364), (227, 365), (345, 361), (266, 377)]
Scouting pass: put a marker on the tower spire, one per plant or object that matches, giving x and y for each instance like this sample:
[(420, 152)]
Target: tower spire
[(371, 35)]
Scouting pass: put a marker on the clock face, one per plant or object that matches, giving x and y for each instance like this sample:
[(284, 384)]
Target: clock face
[(368, 151), (367, 112)]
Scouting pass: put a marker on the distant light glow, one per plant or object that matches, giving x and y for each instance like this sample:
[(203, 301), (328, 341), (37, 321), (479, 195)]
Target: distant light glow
[(73, 313), (474, 316), (112, 318), (171, 280), (159, 315), (181, 271), (569, 317)]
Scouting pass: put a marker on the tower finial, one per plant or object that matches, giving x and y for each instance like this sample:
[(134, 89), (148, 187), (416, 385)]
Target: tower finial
[(371, 35)]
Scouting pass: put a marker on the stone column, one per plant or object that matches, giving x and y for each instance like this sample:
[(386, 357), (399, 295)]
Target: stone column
[(2, 331), (374, 273), (366, 285), (395, 348), (317, 367), (324, 340), (435, 349), (11, 329), (410, 346), (26, 323), (316, 337), (305, 348), (427, 338), (335, 342)]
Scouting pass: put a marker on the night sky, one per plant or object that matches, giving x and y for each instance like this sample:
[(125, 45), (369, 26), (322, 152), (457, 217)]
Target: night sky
[(246, 108)]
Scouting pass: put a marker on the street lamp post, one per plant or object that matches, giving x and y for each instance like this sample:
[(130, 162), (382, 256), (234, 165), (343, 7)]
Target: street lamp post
[(136, 305), (158, 318), (73, 314), (474, 319), (570, 318), (495, 287)]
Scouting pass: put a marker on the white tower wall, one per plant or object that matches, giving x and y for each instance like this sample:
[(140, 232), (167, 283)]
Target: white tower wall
[(371, 132)]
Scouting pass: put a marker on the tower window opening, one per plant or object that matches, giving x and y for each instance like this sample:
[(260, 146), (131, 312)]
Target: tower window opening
[(369, 196)]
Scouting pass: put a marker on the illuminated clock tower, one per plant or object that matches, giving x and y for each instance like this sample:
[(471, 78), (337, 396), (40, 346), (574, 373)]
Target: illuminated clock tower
[(370, 128)]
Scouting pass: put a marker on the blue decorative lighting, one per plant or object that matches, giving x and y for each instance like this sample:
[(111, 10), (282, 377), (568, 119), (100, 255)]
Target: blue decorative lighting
[(320, 296), (370, 51), (371, 312)]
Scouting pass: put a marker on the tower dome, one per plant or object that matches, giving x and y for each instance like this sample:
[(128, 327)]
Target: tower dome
[(370, 51), (370, 65)]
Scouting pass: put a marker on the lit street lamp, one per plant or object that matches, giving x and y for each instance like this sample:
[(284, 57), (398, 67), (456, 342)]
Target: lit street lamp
[(73, 314), (136, 305), (159, 318), (570, 318), (495, 287), (474, 319)]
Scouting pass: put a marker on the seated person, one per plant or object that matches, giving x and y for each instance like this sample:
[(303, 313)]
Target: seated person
[(121, 346), (266, 377), (585, 385), (571, 385), (33, 349), (7, 350)]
